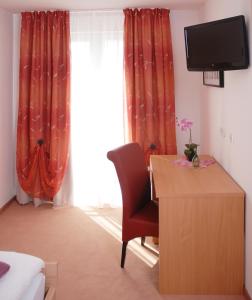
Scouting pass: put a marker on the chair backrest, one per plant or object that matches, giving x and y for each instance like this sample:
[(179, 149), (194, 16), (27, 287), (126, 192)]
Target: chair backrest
[(133, 177)]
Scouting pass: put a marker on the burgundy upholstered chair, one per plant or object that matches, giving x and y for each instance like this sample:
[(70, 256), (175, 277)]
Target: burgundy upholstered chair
[(140, 214)]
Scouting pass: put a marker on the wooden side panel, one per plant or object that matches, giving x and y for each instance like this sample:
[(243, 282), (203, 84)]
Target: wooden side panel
[(51, 277), (201, 245), (51, 294)]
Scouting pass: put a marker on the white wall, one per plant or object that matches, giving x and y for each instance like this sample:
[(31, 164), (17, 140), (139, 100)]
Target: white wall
[(188, 85), (7, 155), (227, 114)]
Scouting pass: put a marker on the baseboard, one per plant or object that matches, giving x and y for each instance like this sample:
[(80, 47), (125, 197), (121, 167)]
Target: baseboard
[(246, 294), (3, 208)]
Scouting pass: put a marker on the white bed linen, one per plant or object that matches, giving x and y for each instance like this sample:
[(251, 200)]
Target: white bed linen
[(23, 269), (36, 290)]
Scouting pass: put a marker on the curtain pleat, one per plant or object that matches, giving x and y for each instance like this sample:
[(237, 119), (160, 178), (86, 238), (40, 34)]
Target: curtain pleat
[(149, 77), (44, 99)]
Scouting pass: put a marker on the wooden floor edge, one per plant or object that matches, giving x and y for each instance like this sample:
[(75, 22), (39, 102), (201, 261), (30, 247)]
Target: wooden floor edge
[(3, 208), (246, 294)]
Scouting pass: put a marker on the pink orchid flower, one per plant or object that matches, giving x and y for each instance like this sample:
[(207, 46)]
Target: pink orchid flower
[(185, 124)]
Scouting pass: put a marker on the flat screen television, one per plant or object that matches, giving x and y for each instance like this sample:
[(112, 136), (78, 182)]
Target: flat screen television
[(217, 45)]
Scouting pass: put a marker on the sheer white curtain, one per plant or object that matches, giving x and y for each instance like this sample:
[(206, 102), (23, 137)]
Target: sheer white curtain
[(96, 105)]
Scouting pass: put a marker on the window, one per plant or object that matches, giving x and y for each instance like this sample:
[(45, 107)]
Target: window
[(97, 105)]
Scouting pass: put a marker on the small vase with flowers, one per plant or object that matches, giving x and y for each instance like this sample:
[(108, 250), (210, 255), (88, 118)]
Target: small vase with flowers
[(191, 148)]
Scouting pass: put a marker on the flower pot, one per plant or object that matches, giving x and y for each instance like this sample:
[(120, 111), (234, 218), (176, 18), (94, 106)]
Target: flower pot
[(190, 151)]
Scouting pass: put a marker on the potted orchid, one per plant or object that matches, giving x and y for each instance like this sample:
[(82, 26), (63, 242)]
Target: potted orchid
[(191, 148)]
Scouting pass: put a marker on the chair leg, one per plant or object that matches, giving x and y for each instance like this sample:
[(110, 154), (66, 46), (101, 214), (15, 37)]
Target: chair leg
[(142, 240), (124, 246)]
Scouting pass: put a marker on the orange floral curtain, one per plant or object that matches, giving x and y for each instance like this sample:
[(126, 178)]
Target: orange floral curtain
[(44, 95), (149, 77)]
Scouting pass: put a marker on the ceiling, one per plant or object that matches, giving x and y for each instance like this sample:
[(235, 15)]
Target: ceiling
[(29, 5)]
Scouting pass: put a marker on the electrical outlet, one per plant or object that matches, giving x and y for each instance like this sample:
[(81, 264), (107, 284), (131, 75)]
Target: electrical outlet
[(231, 138), (222, 133)]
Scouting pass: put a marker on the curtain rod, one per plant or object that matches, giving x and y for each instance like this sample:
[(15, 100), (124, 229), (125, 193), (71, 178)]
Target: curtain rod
[(111, 10), (76, 11), (95, 10)]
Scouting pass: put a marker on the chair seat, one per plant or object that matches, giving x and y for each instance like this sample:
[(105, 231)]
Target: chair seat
[(142, 223), (148, 214)]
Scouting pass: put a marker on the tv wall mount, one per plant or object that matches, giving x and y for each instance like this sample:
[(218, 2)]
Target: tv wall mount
[(213, 78)]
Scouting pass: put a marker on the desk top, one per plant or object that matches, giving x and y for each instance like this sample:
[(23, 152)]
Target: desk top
[(172, 180)]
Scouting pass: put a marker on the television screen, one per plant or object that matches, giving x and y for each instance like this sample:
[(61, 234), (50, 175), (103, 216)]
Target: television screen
[(218, 45)]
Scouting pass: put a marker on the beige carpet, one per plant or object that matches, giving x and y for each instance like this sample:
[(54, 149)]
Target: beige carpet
[(86, 245)]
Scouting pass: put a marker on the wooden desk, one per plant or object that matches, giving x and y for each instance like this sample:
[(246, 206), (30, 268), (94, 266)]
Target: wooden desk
[(201, 229)]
